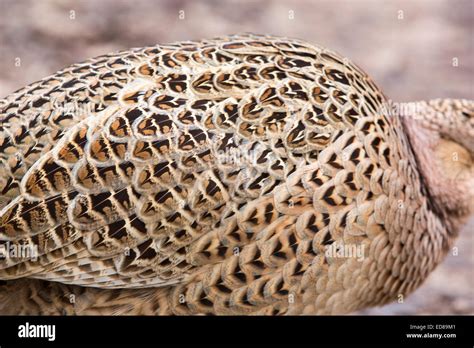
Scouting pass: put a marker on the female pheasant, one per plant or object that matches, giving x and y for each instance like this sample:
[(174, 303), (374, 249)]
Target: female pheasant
[(241, 175)]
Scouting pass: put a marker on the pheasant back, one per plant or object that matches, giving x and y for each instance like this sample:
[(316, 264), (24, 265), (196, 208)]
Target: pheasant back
[(219, 176)]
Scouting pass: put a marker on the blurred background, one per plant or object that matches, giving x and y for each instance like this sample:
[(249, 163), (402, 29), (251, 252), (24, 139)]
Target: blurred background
[(414, 50)]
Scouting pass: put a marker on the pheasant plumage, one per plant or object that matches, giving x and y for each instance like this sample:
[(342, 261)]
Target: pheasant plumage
[(213, 177)]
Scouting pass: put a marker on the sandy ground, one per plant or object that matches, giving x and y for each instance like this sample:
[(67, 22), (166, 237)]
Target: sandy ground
[(414, 50)]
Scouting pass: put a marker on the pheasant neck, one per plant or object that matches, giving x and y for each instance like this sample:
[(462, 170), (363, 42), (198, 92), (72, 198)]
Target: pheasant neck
[(447, 195)]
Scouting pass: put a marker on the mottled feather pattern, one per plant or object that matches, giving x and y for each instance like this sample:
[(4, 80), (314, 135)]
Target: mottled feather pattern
[(141, 188)]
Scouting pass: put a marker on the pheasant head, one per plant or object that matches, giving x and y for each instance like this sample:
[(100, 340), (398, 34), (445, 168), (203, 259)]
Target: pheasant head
[(441, 134)]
